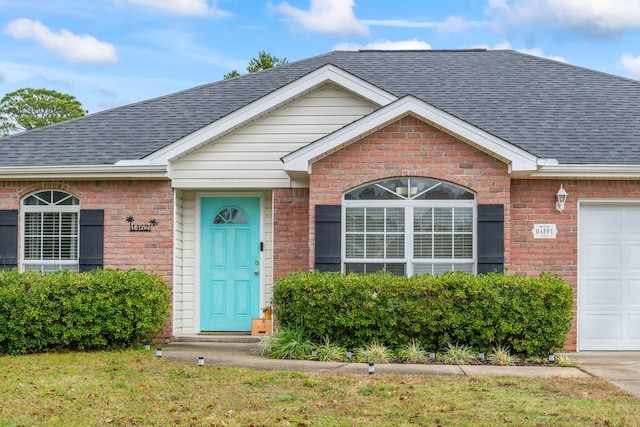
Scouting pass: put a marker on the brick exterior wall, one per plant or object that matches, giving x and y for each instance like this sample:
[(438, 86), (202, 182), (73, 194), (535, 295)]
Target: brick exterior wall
[(409, 147), (533, 202), (290, 230), (143, 200)]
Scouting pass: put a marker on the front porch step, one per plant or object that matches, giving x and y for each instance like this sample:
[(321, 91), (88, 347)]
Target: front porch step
[(218, 338)]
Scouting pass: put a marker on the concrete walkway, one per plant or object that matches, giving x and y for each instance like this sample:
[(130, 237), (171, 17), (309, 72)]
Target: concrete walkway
[(621, 368), (246, 355)]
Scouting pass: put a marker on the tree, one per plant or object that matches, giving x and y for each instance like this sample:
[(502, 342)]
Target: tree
[(231, 74), (30, 108), (262, 62)]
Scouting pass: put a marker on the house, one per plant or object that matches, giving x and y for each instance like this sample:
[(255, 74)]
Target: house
[(411, 161)]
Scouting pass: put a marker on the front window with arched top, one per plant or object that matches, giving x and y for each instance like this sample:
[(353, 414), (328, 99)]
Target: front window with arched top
[(50, 224), (409, 226)]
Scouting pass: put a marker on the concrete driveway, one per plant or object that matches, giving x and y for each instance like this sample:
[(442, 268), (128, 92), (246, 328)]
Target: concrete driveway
[(620, 367)]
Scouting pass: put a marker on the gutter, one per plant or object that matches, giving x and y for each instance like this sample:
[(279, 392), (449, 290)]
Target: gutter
[(588, 171), (85, 172)]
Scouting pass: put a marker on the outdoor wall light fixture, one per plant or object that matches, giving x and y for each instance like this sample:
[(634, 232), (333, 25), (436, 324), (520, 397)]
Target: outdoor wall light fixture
[(561, 198), (404, 191)]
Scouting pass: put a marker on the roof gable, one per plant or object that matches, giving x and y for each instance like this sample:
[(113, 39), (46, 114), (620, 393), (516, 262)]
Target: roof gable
[(262, 106), (249, 157), (299, 162)]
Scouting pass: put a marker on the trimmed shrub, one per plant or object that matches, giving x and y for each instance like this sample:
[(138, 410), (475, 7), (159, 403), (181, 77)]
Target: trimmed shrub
[(530, 315), (80, 311)]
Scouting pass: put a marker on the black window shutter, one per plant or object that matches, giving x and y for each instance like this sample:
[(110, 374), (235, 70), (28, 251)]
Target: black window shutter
[(328, 237), (490, 238), (91, 240), (8, 239)]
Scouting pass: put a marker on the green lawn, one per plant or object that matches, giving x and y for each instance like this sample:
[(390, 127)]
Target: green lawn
[(135, 388)]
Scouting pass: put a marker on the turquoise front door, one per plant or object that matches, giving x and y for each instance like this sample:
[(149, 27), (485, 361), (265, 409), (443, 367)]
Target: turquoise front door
[(229, 263)]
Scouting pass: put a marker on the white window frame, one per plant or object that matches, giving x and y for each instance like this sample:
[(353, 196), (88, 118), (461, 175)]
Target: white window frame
[(409, 206), (42, 264)]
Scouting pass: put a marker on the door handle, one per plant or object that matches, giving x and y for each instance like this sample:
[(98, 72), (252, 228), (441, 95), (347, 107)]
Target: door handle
[(256, 272)]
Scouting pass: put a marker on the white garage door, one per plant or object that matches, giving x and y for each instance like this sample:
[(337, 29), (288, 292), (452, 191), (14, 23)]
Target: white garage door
[(609, 277)]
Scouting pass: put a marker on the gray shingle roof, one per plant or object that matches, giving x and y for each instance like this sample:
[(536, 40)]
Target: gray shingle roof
[(548, 108)]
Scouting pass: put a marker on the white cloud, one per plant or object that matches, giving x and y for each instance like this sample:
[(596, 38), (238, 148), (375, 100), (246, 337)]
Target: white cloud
[(452, 24), (385, 45), (534, 51), (498, 46), (496, 5), (400, 23), (455, 24), (13, 73), (538, 52), (326, 16), (631, 64), (175, 43), (178, 7), (595, 17), (65, 44)]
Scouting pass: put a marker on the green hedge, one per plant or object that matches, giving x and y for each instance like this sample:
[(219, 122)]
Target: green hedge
[(530, 315), (86, 311)]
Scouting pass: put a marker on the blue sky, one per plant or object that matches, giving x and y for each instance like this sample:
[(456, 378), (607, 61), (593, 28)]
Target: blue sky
[(113, 52)]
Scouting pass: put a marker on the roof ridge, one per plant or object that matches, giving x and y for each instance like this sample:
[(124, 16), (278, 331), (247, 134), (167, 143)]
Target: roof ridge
[(418, 50)]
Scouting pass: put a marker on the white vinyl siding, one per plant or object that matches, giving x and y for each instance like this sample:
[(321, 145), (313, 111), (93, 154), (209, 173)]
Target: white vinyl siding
[(250, 156), (178, 263), (268, 249), (184, 295)]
